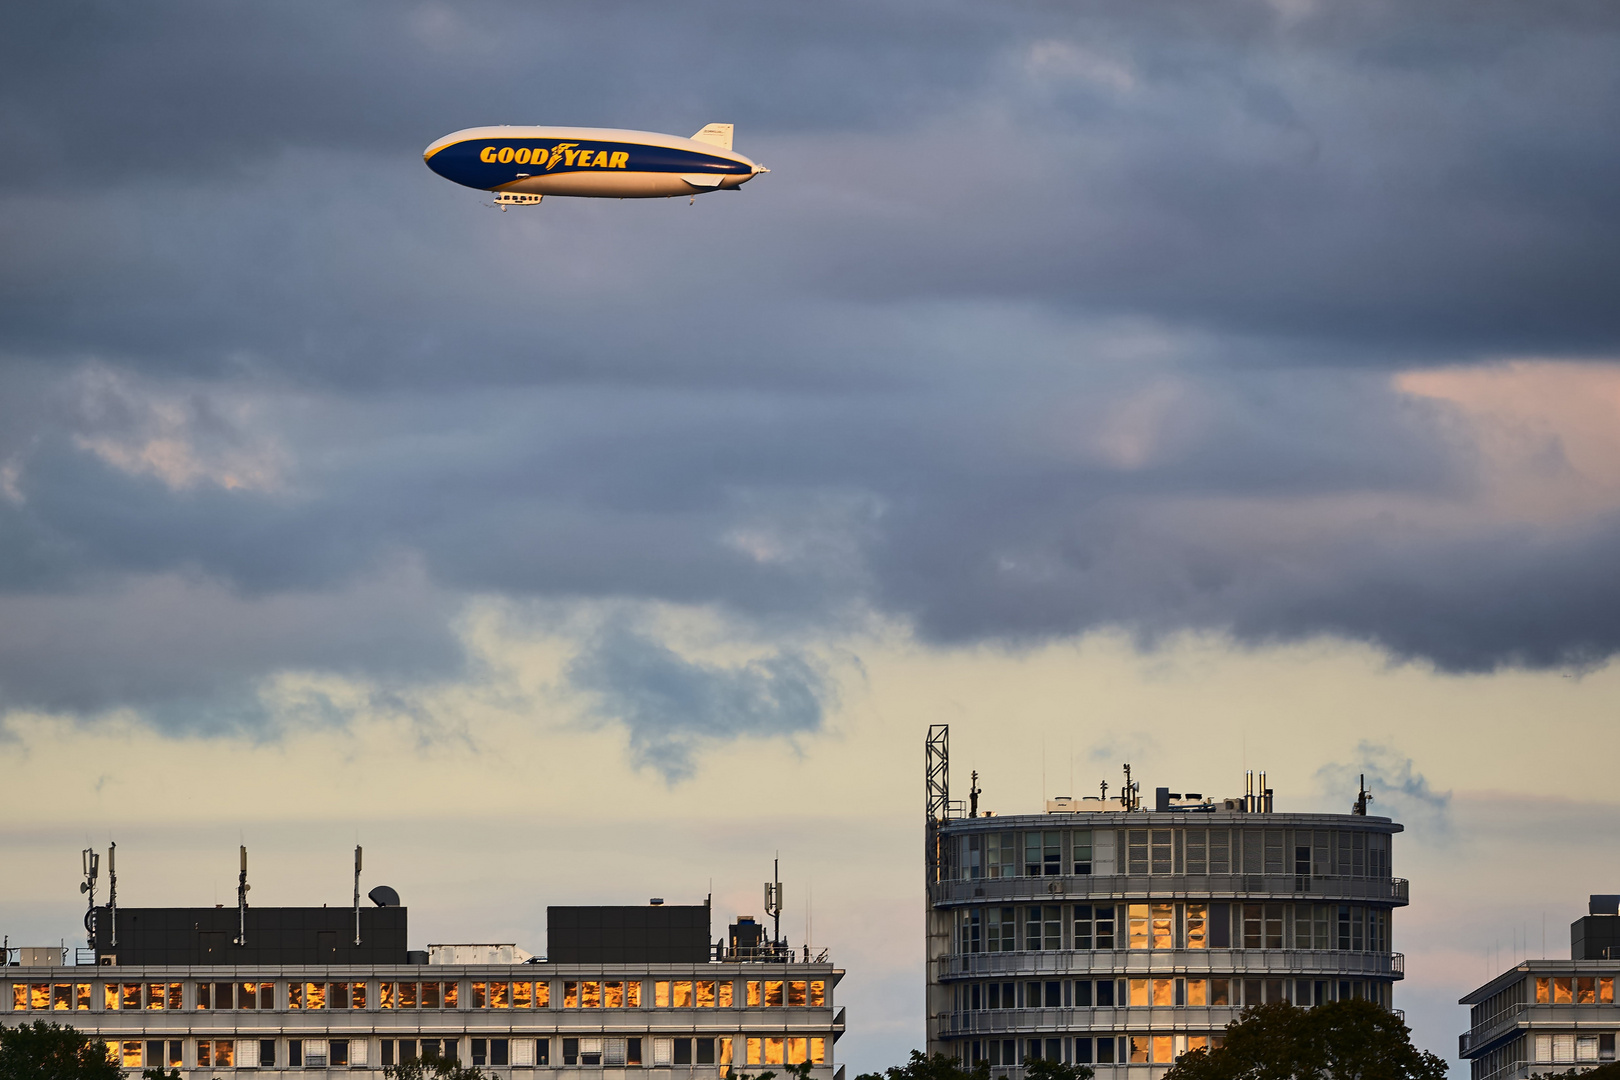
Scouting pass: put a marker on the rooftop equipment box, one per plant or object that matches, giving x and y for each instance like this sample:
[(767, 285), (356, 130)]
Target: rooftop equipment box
[(279, 935), (663, 934)]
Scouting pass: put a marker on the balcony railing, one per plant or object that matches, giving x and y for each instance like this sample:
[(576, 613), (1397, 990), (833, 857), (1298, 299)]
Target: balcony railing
[(1396, 891), (1121, 1019), (1492, 1030), (1125, 963)]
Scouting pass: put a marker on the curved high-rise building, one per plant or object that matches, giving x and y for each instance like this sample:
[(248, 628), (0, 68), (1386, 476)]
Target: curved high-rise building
[(1120, 932)]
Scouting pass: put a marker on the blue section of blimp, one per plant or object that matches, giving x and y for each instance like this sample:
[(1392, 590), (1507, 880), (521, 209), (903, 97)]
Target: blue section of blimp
[(463, 162)]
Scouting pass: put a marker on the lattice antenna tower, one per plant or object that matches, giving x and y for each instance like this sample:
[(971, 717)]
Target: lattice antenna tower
[(937, 774), (937, 784)]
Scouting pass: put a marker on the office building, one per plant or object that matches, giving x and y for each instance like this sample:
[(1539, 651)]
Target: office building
[(1550, 1016), (1121, 935), (287, 991)]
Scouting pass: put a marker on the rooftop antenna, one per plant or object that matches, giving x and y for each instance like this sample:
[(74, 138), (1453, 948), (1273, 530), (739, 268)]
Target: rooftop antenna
[(937, 790), (112, 891), (357, 896), (1363, 797), (92, 867), (973, 795), (773, 901), (242, 888)]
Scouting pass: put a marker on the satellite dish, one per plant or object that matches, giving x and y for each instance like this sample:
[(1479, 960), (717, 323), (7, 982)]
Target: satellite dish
[(383, 896)]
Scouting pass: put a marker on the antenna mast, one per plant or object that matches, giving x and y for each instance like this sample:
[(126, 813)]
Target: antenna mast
[(357, 896), (92, 866), (773, 903), (242, 888), (973, 795), (112, 891), (937, 785), (1363, 797)]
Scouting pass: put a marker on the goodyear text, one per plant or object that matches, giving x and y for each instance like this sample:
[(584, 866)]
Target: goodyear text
[(549, 157)]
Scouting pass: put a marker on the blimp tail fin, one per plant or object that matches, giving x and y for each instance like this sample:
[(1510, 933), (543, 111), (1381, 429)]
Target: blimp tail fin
[(716, 135)]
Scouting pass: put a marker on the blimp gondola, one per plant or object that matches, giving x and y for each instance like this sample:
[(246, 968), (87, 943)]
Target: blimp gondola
[(522, 165)]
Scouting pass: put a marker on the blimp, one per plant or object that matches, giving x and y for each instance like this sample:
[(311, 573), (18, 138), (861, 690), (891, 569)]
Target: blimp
[(522, 165)]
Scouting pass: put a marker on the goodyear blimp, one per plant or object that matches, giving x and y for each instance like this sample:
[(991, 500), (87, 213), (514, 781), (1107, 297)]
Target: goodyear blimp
[(522, 165)]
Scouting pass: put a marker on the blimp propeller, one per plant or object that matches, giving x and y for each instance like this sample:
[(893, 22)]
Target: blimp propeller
[(522, 165)]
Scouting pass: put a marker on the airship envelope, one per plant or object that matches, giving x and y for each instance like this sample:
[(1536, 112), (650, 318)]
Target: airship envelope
[(521, 165)]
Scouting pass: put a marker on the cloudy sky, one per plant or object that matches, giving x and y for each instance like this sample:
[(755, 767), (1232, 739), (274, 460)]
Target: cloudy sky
[(1205, 385)]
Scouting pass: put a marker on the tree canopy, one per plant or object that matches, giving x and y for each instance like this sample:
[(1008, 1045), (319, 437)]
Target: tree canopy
[(941, 1067), (41, 1051), (433, 1067), (1340, 1040)]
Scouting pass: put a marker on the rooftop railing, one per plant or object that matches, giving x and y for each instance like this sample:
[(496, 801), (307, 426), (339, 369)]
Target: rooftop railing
[(1124, 963), (1164, 886)]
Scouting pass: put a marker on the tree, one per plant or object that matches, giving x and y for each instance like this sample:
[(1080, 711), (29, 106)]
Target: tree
[(941, 1067), (159, 1074), (1047, 1069), (433, 1067), (42, 1051), (938, 1067), (1341, 1040), (1611, 1071)]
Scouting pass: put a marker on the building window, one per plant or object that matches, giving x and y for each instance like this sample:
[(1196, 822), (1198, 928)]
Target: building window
[(267, 1053), (1137, 925), (1043, 928), (818, 992), (1220, 853), (972, 857), (773, 995), (1274, 852), (970, 923), (796, 993), (1163, 925), (1000, 930), (1220, 992), (216, 1052), (1093, 926), (1197, 991), (1197, 926), (131, 1054), (1043, 854), (1161, 852), (1136, 851), (1262, 926), (1197, 852), (1002, 853), (1080, 848)]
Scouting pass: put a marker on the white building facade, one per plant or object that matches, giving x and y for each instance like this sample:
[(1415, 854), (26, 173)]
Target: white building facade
[(596, 1022), (1122, 938)]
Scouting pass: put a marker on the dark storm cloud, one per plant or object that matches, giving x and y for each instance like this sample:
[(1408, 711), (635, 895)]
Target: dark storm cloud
[(1047, 320), (672, 706)]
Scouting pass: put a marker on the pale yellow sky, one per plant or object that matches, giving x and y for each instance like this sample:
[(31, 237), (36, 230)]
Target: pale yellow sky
[(481, 803)]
